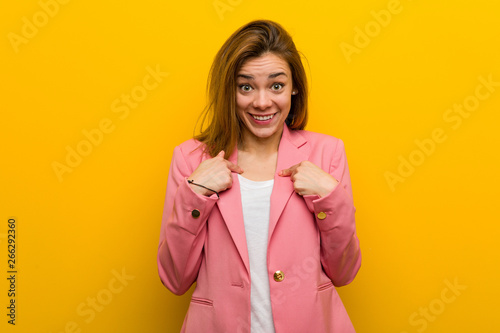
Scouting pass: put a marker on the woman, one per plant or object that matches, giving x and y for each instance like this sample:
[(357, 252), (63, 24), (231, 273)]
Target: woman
[(258, 211)]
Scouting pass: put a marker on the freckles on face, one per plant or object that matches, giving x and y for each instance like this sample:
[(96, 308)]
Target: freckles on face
[(263, 95)]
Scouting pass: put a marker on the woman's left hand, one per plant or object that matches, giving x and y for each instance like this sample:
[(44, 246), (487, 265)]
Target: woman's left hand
[(309, 179)]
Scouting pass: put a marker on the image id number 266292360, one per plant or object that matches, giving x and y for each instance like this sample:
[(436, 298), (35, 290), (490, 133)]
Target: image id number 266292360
[(11, 270)]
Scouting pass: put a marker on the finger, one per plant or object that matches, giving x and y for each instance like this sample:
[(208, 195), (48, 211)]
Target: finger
[(287, 172), (233, 167), (221, 154)]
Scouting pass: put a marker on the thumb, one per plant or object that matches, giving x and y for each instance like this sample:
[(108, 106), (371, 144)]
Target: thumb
[(221, 154)]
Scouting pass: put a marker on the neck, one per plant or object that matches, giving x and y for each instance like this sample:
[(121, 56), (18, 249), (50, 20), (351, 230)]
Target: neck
[(260, 146)]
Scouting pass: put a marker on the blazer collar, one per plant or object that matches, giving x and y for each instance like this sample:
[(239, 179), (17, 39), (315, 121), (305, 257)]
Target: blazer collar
[(292, 150)]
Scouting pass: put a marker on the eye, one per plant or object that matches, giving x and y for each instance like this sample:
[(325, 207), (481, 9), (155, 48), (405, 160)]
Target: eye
[(245, 87), (277, 86)]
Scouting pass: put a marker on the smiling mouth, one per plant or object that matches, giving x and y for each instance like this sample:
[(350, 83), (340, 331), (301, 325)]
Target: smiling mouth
[(263, 117)]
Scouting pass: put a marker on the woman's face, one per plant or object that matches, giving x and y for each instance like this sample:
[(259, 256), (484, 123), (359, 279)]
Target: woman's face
[(263, 96)]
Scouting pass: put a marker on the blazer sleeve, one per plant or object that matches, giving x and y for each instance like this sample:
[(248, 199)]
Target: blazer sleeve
[(183, 228), (340, 251)]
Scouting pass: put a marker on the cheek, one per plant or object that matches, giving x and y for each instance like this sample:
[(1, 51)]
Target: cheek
[(284, 102), (242, 102)]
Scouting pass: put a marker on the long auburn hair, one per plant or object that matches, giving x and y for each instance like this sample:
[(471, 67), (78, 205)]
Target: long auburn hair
[(224, 129)]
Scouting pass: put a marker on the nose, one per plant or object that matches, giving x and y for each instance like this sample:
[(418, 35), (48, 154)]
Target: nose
[(262, 100)]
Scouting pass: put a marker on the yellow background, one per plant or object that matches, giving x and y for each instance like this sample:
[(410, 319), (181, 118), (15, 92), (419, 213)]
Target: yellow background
[(78, 230)]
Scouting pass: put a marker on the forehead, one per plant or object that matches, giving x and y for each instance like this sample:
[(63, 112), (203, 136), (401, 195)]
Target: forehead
[(265, 65)]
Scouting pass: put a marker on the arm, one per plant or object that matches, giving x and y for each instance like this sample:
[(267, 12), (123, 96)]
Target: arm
[(340, 251), (182, 235)]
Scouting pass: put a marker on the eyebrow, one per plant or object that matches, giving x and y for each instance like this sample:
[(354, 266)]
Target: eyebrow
[(271, 76)]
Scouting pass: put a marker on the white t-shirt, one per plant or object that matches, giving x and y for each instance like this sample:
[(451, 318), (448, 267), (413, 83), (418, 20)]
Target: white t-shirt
[(256, 204)]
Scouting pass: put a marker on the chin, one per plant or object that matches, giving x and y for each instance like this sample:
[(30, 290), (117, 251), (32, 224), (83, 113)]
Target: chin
[(265, 133)]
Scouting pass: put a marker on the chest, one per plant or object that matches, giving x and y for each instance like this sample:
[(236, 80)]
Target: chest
[(258, 168)]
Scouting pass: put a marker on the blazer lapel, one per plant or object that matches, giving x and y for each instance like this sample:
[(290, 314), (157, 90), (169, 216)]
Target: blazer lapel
[(229, 205), (289, 154)]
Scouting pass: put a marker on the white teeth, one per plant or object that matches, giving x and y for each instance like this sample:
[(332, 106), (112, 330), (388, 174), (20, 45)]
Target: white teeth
[(263, 118)]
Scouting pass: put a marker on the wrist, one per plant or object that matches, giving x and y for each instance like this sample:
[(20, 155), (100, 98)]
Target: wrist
[(201, 189), (328, 188)]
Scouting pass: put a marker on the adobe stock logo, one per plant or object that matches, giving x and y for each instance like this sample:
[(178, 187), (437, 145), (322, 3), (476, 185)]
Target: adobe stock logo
[(454, 117), (93, 305), (428, 314), (223, 6), (30, 28), (94, 137), (372, 29)]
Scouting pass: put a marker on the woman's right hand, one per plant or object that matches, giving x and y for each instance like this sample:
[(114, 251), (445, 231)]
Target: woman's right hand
[(214, 173)]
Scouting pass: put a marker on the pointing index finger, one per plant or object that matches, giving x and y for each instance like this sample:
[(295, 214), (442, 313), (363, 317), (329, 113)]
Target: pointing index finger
[(233, 167), (287, 172)]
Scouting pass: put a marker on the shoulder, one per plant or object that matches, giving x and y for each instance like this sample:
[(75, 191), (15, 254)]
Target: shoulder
[(191, 152), (319, 140), (324, 150), (191, 146)]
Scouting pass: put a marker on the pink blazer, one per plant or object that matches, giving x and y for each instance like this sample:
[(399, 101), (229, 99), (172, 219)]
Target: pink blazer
[(312, 241)]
